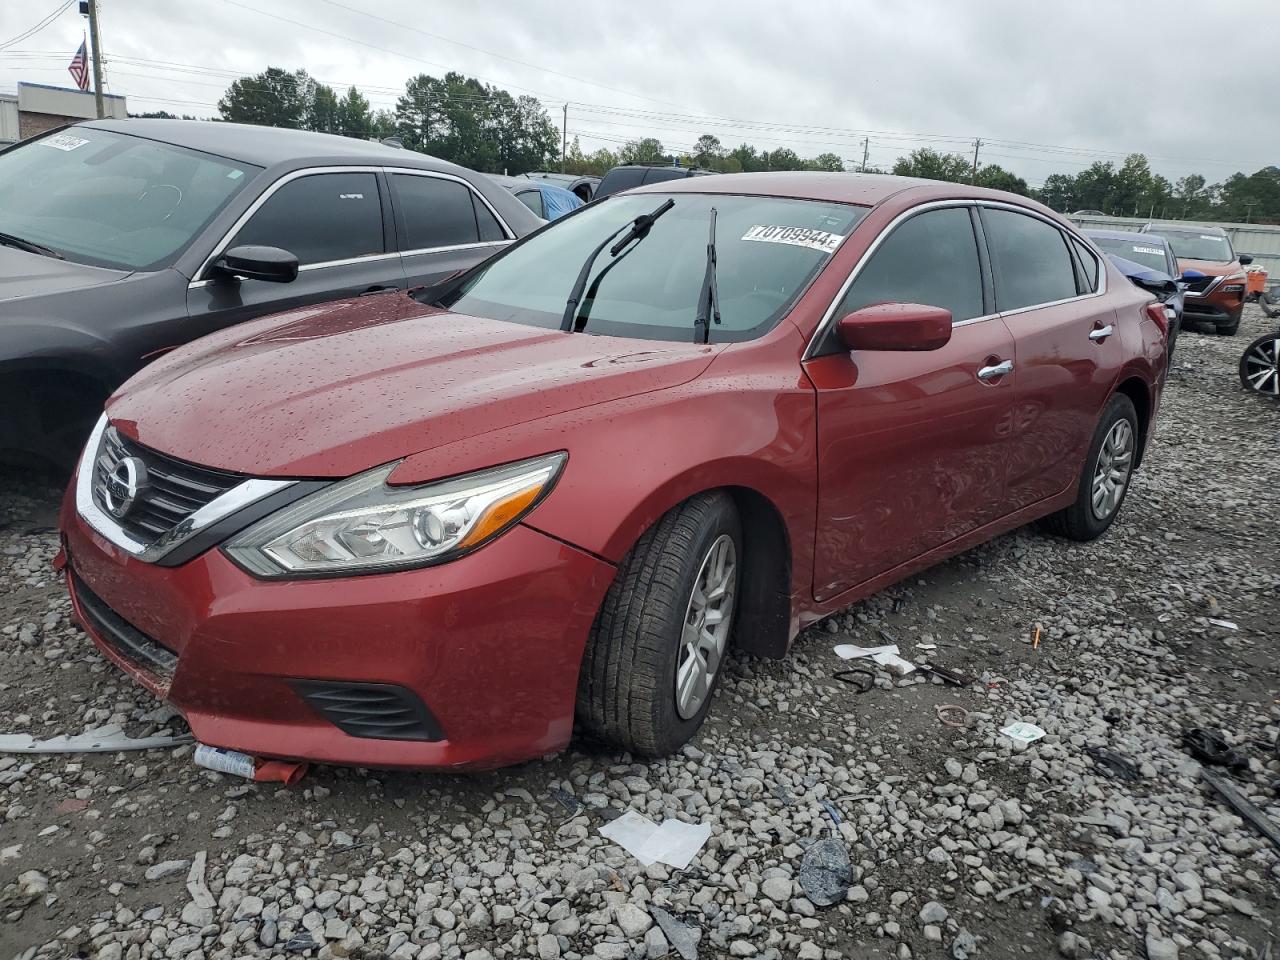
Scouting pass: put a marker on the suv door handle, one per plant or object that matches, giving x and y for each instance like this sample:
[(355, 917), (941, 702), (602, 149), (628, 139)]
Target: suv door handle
[(996, 370), (1100, 333)]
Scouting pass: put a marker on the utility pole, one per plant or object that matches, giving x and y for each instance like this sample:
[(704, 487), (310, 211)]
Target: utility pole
[(973, 177), (97, 57), (564, 139), (866, 147)]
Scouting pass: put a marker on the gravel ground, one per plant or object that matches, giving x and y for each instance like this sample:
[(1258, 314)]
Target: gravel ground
[(960, 843)]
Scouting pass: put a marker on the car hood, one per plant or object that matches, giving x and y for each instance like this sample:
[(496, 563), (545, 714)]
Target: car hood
[(1211, 268), (25, 274), (333, 390)]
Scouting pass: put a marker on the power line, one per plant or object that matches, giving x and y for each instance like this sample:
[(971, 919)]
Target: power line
[(32, 31)]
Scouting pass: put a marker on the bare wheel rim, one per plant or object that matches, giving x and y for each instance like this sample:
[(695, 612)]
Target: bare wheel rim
[(1262, 366), (706, 626), (1111, 472)]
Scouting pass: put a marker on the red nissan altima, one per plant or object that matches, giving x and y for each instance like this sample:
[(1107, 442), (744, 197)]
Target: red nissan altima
[(431, 530)]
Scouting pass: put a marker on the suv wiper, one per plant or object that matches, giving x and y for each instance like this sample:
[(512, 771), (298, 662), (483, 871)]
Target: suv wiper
[(9, 240), (638, 230), (709, 298)]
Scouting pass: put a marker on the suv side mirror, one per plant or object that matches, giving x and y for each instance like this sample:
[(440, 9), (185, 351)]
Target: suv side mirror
[(1245, 259), (258, 263), (895, 326)]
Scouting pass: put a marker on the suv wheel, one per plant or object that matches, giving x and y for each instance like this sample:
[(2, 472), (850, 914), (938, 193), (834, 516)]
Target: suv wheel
[(656, 650)]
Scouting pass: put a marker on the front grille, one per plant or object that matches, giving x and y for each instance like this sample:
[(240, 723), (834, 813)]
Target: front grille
[(380, 711), (120, 635), (173, 491), (1201, 285)]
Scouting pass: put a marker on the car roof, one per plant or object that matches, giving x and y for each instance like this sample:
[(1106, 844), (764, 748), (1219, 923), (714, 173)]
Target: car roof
[(512, 182), (865, 189), (1184, 228), (1122, 235), (268, 146)]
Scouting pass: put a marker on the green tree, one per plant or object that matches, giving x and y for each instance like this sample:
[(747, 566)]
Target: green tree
[(748, 158), (997, 178), (932, 165), (784, 158), (827, 161), (647, 150), (1095, 187), (323, 113), (354, 118), (1059, 192), (273, 98), (707, 151), (1189, 193)]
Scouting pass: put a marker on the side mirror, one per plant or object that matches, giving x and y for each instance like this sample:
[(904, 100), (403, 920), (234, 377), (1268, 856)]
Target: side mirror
[(258, 263), (1190, 276), (1245, 259), (895, 326)]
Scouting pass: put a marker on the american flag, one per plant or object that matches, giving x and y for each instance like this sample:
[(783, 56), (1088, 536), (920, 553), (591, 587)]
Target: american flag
[(79, 68)]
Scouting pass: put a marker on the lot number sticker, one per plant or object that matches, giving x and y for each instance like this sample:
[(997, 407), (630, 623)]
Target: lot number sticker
[(795, 236), (1154, 251), (62, 141)]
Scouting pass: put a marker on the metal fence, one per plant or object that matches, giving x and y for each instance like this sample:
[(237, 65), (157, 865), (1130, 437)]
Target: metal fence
[(1260, 240)]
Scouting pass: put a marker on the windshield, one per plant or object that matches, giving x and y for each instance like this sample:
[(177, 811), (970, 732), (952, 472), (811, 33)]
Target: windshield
[(112, 200), (767, 250), (1146, 254), (1200, 246)]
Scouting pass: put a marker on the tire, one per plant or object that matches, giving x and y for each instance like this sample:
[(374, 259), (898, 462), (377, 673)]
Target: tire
[(1229, 328), (1260, 365), (627, 692), (1270, 306), (1081, 521)]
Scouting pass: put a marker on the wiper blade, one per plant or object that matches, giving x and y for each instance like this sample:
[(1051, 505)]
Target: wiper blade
[(9, 240), (637, 230), (709, 298)]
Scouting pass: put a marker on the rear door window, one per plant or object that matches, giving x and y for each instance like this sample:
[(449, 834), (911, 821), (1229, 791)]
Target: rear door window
[(320, 218), (932, 258), (1032, 262), (533, 200), (1089, 264), (436, 212)]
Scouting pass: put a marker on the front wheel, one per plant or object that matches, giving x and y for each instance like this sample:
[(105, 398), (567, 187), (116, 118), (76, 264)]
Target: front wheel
[(655, 653), (1105, 478), (1260, 365)]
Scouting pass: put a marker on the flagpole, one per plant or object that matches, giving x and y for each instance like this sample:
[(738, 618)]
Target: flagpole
[(97, 58)]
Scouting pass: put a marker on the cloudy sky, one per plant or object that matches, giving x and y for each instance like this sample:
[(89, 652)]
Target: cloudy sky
[(1049, 85)]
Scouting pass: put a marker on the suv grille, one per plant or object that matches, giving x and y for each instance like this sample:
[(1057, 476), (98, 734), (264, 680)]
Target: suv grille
[(174, 489), (1199, 286)]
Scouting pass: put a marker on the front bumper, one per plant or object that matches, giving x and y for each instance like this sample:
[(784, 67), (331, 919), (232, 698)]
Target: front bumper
[(489, 644), (1218, 307)]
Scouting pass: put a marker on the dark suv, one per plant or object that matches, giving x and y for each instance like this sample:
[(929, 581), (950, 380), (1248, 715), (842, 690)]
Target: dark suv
[(637, 174), (121, 239)]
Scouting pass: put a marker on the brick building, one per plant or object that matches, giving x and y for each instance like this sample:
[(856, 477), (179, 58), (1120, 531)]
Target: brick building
[(36, 108)]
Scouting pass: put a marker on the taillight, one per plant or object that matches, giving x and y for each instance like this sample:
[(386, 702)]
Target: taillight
[(1156, 313)]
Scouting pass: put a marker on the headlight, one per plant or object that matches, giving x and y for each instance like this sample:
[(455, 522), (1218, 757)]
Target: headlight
[(361, 525)]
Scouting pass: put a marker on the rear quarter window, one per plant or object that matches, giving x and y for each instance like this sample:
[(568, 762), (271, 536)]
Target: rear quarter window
[(1033, 264)]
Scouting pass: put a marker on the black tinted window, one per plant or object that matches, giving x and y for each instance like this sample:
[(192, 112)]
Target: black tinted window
[(318, 218), (1031, 260), (621, 178), (533, 200), (437, 212), (662, 174), (1089, 263), (932, 258)]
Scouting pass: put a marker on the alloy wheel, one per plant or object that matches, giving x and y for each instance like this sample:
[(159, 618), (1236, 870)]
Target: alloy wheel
[(1111, 472), (1261, 367), (706, 626)]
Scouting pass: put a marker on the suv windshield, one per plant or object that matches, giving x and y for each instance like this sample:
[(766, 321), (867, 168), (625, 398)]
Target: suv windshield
[(113, 200), (1200, 246), (1148, 254), (767, 251)]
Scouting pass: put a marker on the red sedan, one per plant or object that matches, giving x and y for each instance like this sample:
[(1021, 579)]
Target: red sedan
[(432, 530)]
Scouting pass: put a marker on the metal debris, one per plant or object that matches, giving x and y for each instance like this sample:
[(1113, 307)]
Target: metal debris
[(1114, 764), (1237, 800), (825, 872), (682, 936), (106, 739)]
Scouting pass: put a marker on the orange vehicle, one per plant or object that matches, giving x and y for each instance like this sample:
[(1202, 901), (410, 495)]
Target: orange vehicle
[(1218, 298)]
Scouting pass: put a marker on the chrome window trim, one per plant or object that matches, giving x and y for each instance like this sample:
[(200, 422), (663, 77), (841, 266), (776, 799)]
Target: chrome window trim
[(224, 505), (221, 246), (828, 316)]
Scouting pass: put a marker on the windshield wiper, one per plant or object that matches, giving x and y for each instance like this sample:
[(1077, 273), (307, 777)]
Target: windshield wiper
[(709, 298), (638, 230), (9, 240)]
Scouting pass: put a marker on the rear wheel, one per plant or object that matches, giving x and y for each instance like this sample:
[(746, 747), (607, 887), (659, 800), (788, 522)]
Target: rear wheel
[(1104, 482), (1260, 365), (655, 653)]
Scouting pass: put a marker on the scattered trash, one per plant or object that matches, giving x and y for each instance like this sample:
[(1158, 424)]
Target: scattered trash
[(1022, 732), (963, 945), (1035, 638), (926, 646), (300, 943), (886, 656), (106, 739), (682, 936), (863, 678), (1208, 747), (1114, 764), (895, 663), (1266, 826), (674, 843), (952, 714), (251, 768), (825, 873), (1013, 891), (565, 799), (1225, 624), (946, 675), (832, 812)]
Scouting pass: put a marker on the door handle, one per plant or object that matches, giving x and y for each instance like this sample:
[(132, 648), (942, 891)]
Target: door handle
[(997, 370), (1100, 333)]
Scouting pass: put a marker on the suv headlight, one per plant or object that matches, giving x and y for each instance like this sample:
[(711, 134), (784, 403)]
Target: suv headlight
[(362, 525)]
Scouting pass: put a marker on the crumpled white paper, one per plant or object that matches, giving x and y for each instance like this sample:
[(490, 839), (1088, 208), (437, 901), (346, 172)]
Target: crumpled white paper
[(886, 656), (674, 842)]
